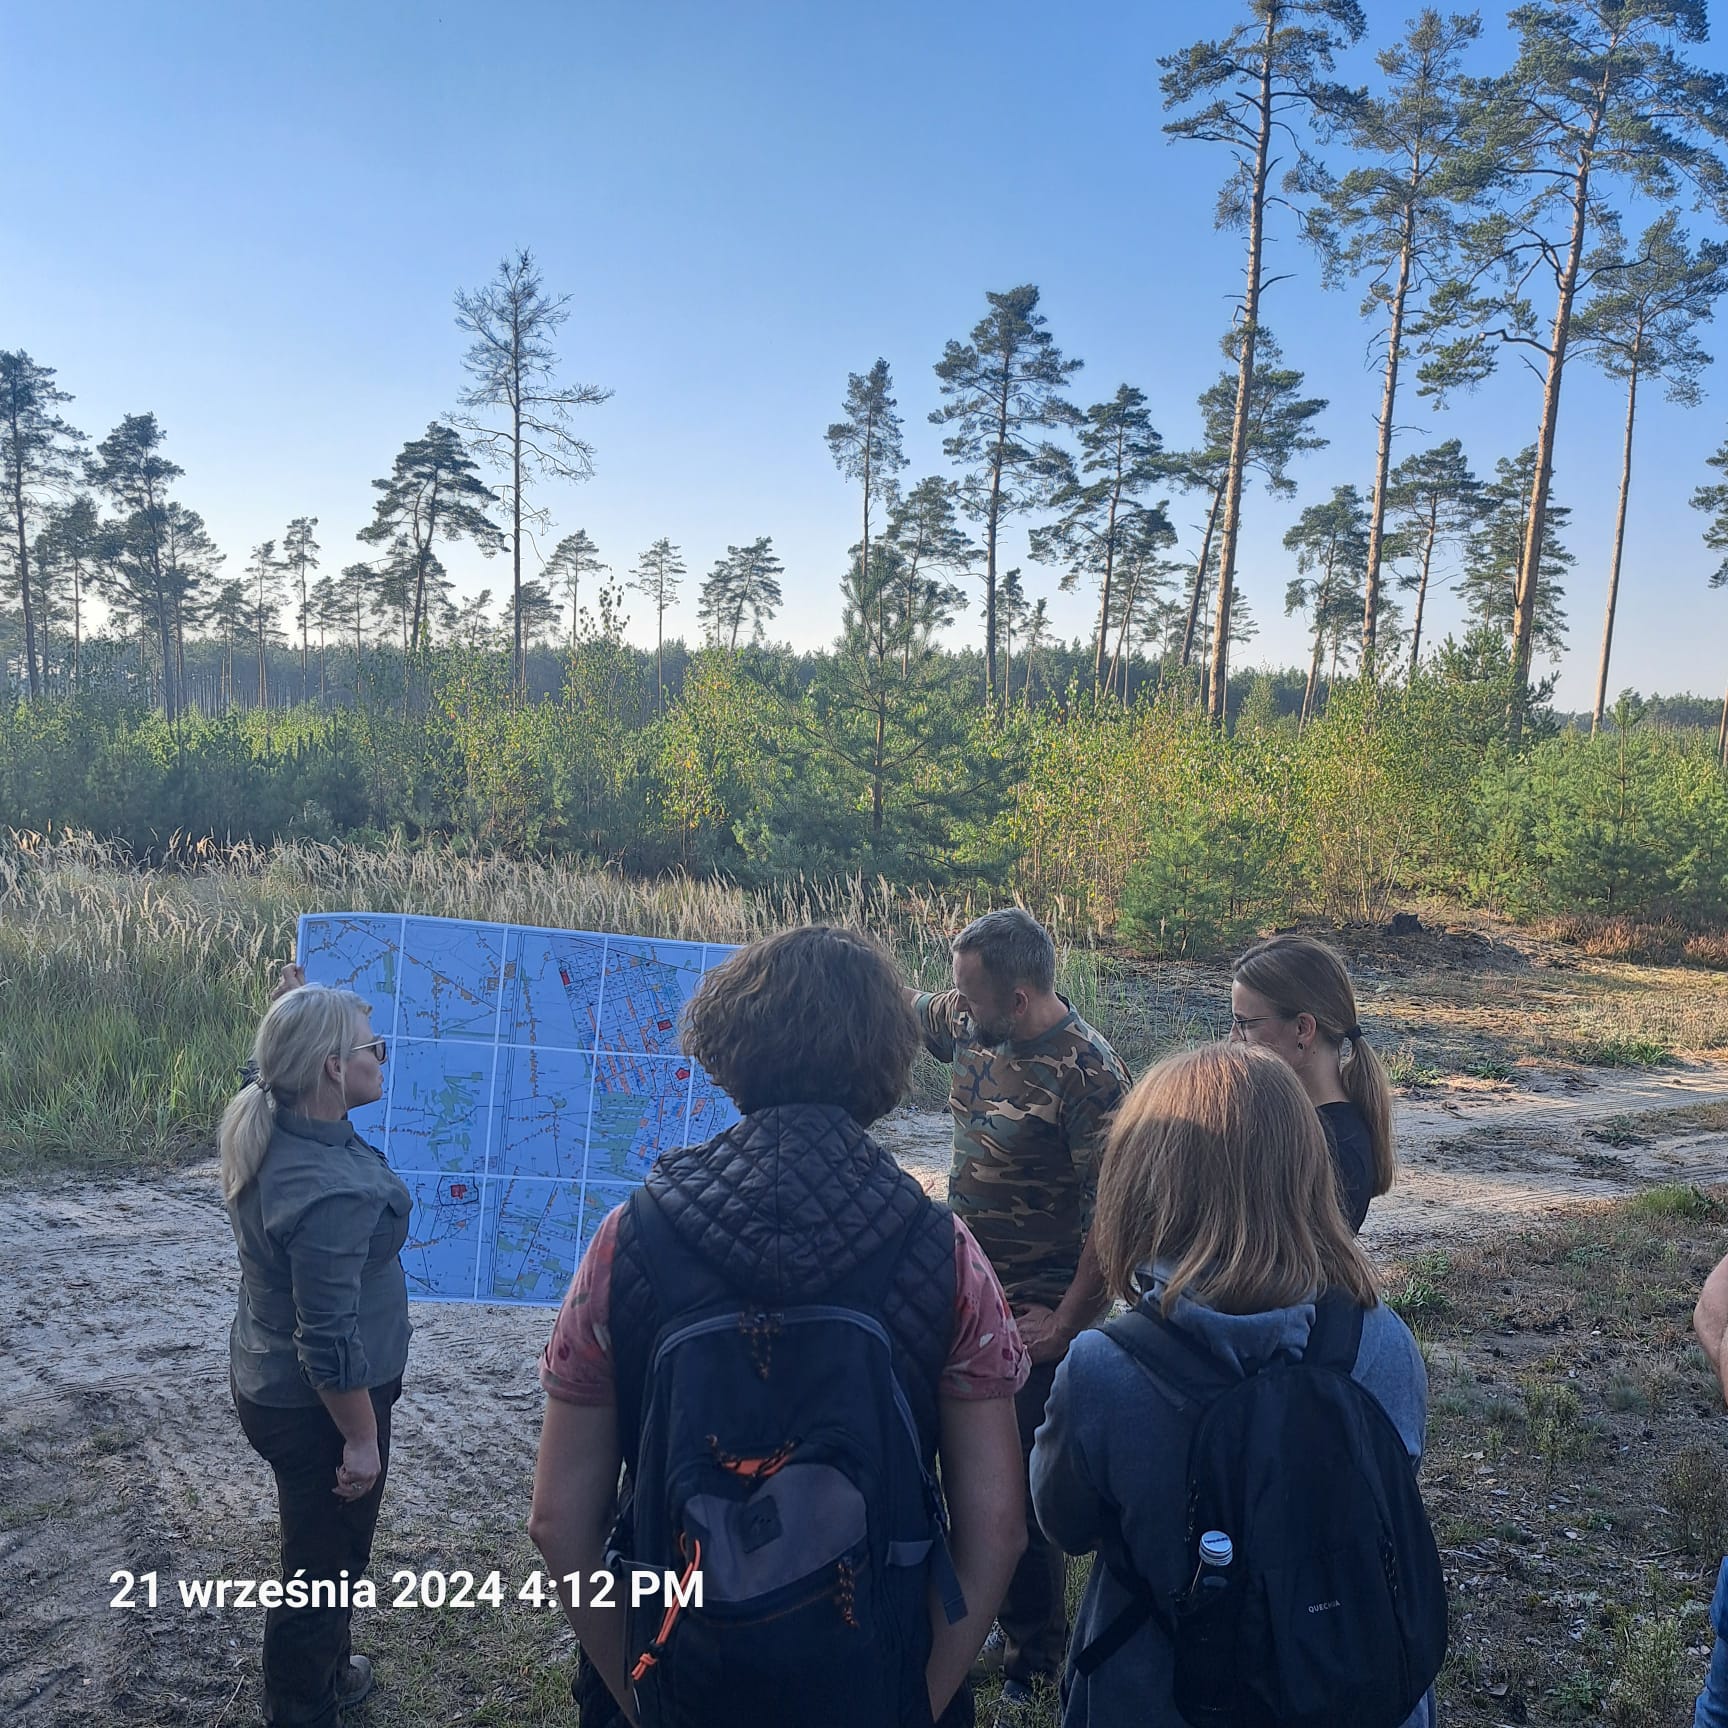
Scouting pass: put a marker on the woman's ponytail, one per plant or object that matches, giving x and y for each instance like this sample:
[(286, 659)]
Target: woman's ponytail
[(1364, 1076), (244, 1137), (296, 1037)]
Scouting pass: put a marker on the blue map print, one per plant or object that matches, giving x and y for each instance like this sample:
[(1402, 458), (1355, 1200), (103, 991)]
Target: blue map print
[(533, 1076)]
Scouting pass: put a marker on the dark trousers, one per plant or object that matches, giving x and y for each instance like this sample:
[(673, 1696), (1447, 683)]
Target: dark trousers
[(1034, 1613), (306, 1649)]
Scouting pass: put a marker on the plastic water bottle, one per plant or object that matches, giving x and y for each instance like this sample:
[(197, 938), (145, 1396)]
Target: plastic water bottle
[(1217, 1552)]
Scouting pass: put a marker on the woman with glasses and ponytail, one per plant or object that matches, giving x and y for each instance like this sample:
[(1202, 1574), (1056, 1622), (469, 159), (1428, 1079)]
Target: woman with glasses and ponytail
[(1292, 996), (321, 1336)]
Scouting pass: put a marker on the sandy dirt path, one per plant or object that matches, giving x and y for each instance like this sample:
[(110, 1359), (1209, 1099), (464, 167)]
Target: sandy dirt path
[(1474, 1155), (119, 1449)]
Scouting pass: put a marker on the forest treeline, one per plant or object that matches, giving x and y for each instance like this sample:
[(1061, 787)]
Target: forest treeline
[(1145, 819), (1487, 214)]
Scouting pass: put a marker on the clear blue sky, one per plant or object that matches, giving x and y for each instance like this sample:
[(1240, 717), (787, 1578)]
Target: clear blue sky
[(251, 220)]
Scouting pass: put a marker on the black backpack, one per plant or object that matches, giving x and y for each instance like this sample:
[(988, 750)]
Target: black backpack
[(1333, 1609), (780, 1462)]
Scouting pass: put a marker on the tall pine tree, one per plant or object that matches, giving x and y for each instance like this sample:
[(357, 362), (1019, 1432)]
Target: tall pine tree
[(866, 444), (1639, 326), (1601, 93), (38, 459), (1243, 91), (1102, 502), (1394, 220), (1003, 386), (513, 364), (658, 575), (1432, 499), (1330, 541), (433, 495), (131, 471), (742, 589), (574, 557)]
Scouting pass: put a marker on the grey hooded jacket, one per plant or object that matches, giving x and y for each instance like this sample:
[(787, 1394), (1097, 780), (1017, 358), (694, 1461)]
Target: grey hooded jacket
[(1112, 1447)]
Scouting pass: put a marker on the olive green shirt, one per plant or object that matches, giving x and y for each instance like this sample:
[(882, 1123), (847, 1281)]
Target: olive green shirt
[(323, 1302)]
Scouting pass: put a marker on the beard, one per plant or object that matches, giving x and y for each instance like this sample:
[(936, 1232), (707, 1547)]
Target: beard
[(997, 1031)]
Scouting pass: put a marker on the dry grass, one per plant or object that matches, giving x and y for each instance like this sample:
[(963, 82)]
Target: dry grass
[(128, 995)]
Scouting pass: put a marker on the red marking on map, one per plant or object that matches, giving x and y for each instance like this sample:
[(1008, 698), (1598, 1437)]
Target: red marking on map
[(458, 1189), (564, 973), (682, 1073), (665, 1025)]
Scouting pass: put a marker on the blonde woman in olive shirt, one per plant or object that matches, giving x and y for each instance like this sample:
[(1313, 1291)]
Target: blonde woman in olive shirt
[(321, 1334)]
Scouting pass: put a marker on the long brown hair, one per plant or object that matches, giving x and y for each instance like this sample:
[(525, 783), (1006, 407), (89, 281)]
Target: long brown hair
[(814, 1015), (1298, 975), (1217, 1166)]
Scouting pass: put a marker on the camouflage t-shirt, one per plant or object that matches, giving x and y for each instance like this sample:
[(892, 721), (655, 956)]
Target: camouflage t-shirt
[(1029, 1125)]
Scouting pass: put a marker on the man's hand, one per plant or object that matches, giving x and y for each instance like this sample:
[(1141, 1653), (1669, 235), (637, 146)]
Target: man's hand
[(1045, 1336), (292, 978)]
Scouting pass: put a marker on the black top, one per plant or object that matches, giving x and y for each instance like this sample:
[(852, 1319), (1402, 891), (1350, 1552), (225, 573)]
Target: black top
[(1352, 1157)]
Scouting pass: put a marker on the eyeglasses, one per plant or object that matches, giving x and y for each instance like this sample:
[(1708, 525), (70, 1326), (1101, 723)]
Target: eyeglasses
[(376, 1045), (1239, 1024)]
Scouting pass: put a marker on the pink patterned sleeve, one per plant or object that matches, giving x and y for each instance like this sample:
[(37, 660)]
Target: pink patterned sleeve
[(987, 1359), (576, 1364)]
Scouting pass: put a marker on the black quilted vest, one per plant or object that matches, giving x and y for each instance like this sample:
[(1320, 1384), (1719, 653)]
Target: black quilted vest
[(782, 1206)]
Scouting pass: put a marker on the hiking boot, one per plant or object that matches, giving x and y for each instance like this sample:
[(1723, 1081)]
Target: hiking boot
[(1014, 1709), (354, 1683), (988, 1662)]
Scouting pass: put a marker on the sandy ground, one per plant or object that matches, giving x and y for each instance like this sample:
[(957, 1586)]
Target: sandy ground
[(1474, 1154), (119, 1449)]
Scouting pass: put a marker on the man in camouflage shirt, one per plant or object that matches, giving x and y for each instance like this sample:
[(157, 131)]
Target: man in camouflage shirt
[(1032, 1093)]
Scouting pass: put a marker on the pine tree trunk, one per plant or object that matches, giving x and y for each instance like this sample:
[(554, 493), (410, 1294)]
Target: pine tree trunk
[(520, 668), (1122, 637), (878, 767), (1422, 588), (30, 678), (1530, 564), (1383, 453), (1104, 598), (1320, 605), (1218, 697), (1193, 624), (159, 592), (1722, 733), (990, 527), (864, 555), (1619, 545)]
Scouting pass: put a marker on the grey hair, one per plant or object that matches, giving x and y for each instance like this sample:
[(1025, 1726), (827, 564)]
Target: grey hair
[(1013, 948), (296, 1036)]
